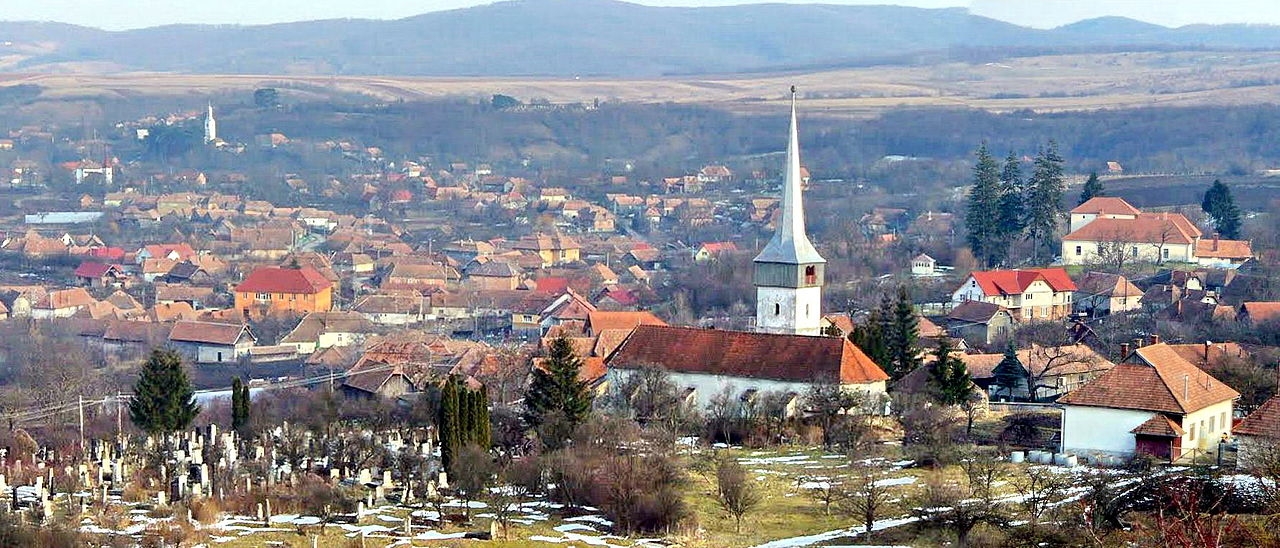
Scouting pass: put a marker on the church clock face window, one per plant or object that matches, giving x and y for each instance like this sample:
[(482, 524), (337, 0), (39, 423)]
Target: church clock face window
[(777, 309), (810, 274)]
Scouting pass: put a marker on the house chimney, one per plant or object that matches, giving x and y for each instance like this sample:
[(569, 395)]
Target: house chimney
[(1215, 241), (1124, 351), (1155, 339), (1137, 343), (1207, 346)]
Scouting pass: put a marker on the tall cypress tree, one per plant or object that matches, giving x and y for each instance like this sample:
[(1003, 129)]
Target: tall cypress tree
[(906, 332), (239, 406), (982, 213), (163, 399), (1044, 196), (1221, 206), (1012, 204), (485, 437), (449, 423), (556, 389), (1092, 188), (870, 338)]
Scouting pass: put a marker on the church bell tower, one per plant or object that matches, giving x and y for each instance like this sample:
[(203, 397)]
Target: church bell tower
[(788, 271)]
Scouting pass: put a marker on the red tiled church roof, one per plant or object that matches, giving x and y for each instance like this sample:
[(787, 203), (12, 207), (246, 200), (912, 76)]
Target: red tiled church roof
[(795, 358)]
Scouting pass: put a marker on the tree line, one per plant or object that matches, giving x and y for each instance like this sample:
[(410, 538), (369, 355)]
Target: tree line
[(1003, 207)]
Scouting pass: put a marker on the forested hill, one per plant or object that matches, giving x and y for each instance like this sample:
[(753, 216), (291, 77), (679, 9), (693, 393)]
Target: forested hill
[(584, 38)]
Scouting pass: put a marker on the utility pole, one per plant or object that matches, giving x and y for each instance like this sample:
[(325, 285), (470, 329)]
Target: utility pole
[(81, 409), (119, 410)]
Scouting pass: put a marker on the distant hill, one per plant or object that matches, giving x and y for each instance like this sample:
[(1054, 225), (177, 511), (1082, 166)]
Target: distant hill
[(580, 37)]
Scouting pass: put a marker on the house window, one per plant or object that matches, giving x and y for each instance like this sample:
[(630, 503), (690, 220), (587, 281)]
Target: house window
[(264, 296), (1212, 426), (1079, 249), (1203, 432), (806, 310), (1225, 424), (1134, 250), (1192, 433), (1164, 253)]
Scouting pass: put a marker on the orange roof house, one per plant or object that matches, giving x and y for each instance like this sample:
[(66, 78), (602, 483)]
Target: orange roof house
[(276, 290), (1154, 402)]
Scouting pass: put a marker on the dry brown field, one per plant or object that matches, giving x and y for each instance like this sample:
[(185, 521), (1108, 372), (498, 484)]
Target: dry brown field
[(1045, 83)]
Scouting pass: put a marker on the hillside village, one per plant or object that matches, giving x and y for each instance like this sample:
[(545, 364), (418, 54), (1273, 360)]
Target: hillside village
[(351, 305)]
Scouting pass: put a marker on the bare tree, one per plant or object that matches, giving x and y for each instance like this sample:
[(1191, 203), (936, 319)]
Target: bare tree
[(866, 497), (1038, 488), (828, 491), (472, 474), (735, 491)]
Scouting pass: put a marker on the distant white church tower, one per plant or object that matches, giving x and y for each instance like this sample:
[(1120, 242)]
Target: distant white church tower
[(210, 126), (789, 271)]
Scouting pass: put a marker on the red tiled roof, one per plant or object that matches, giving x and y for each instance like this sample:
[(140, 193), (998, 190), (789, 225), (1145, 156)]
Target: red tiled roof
[(1151, 228), (1106, 205), (1261, 311), (94, 270), (1015, 282), (305, 280), (1159, 425), (1155, 379), (600, 320), (1265, 421), (552, 285), (1224, 249), (208, 332), (796, 358)]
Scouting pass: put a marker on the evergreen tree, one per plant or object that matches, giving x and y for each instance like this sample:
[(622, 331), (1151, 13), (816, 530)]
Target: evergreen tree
[(556, 388), (982, 213), (948, 377), (485, 426), (1012, 204), (1221, 207), (449, 423), (1092, 188), (1044, 197), (869, 337), (1009, 373), (239, 406), (903, 351), (163, 399)]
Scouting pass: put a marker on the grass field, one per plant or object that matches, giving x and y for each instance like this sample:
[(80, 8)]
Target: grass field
[(1047, 83)]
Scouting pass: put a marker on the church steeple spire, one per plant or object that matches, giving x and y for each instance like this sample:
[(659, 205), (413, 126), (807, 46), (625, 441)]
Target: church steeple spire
[(789, 271), (210, 126), (790, 243)]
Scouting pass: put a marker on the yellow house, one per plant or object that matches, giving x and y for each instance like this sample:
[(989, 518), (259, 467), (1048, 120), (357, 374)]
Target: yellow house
[(283, 290), (553, 250)]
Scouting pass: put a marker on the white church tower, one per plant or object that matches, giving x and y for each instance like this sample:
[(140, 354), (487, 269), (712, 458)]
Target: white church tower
[(789, 271), (210, 126)]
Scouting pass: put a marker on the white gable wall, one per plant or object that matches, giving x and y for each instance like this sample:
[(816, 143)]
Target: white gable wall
[(1088, 430)]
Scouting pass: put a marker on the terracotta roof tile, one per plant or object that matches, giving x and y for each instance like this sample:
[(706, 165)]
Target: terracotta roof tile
[(1151, 228), (975, 312), (1015, 282), (796, 358), (305, 280), (1261, 311), (1265, 421), (1159, 425), (1224, 249), (1106, 205), (1155, 378), (600, 320), (208, 332)]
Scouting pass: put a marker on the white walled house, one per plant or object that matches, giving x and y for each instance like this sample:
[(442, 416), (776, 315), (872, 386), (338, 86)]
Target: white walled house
[(1101, 207), (704, 362), (319, 330), (210, 342), (1154, 402), (1110, 230), (1028, 294)]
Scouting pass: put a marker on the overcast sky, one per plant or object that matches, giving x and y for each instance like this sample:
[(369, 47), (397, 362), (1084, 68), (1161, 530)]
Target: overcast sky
[(125, 14)]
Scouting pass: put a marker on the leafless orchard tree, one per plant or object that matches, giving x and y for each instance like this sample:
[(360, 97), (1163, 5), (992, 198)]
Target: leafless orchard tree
[(735, 491)]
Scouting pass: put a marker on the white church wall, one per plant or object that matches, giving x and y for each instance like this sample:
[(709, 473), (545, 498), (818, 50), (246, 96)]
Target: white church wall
[(707, 387), (789, 310)]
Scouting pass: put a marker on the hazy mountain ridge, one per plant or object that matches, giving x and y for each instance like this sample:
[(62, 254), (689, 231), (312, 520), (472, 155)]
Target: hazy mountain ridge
[(583, 37)]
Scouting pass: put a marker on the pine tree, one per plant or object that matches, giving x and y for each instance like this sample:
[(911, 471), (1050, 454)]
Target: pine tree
[(556, 388), (1009, 373), (448, 425), (982, 213), (906, 332), (1221, 206), (869, 337), (239, 406), (1012, 204), (948, 377), (163, 400), (1044, 197), (1092, 188), (484, 427)]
